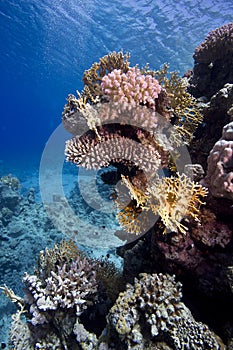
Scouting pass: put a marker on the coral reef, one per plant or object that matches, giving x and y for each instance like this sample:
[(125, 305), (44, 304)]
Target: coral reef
[(172, 198), (219, 177), (133, 122), (213, 62), (217, 113), (92, 77), (111, 148), (124, 130), (148, 313), (66, 286)]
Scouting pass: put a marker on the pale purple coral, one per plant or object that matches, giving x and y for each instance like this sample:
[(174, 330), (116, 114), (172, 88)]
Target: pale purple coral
[(219, 176), (217, 44), (131, 87), (69, 287)]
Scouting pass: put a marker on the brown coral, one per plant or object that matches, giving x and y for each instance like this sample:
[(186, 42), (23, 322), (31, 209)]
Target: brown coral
[(153, 306), (217, 43), (92, 77)]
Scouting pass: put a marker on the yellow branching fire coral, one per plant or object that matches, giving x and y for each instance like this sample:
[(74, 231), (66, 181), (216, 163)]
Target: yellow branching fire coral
[(130, 208), (183, 106), (174, 199)]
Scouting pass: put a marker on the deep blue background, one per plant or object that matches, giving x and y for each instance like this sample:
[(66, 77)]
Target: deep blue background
[(46, 45)]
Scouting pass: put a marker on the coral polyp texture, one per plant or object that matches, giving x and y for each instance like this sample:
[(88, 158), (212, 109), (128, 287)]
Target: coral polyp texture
[(146, 312), (92, 77), (218, 42), (111, 148), (219, 175), (131, 87)]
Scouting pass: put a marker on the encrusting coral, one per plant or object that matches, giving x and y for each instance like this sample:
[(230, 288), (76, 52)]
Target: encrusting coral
[(153, 306)]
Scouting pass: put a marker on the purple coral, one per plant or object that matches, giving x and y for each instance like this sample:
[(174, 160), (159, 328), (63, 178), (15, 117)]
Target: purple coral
[(131, 87), (218, 42), (219, 176)]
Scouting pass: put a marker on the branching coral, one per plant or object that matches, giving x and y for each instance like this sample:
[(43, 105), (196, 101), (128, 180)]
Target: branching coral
[(93, 154), (176, 198), (173, 199), (65, 285), (129, 132), (213, 62), (217, 43), (131, 87), (68, 286), (183, 107), (92, 77)]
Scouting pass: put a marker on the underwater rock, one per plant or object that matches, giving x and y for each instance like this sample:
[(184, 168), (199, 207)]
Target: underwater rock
[(217, 113), (9, 198)]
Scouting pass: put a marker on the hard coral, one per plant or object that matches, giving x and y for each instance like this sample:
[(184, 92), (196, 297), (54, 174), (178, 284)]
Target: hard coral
[(131, 87), (94, 154), (219, 177), (92, 77), (176, 198), (217, 44), (173, 199), (153, 306), (177, 104), (70, 286), (213, 62)]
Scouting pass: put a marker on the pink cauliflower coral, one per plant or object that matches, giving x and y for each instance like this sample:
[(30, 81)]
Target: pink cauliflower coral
[(131, 87)]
